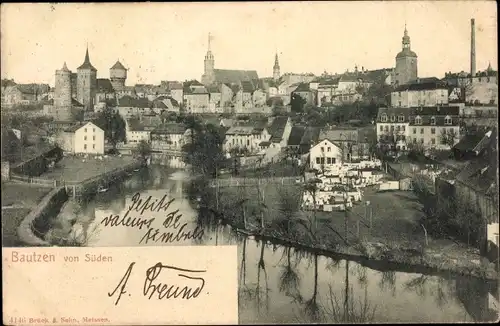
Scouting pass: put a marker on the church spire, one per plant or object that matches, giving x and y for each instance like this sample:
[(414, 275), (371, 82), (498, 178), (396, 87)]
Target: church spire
[(406, 39), (276, 67)]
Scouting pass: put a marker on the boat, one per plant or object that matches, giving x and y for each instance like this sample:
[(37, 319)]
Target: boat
[(102, 189), (136, 170)]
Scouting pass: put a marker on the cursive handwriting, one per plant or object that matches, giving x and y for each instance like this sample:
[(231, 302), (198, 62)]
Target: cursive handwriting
[(150, 204), (167, 236), (139, 222), (122, 282), (162, 290)]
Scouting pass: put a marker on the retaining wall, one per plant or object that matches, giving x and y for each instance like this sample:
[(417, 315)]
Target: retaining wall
[(51, 203)]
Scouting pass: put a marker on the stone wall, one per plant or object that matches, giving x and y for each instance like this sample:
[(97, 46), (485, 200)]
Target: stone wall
[(38, 221)]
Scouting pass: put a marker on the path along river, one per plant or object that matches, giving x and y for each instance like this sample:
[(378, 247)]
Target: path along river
[(280, 285)]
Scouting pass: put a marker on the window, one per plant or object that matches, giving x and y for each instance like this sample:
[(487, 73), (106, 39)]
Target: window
[(85, 146), (421, 140), (93, 129), (85, 138), (399, 103), (248, 142), (322, 160), (328, 160), (433, 131), (93, 137), (85, 129), (93, 146), (383, 118), (397, 128), (392, 128), (386, 128), (401, 118), (433, 121), (381, 128), (317, 160), (403, 128), (421, 130), (322, 149), (447, 120), (433, 141), (418, 120), (329, 149), (414, 130), (393, 118)]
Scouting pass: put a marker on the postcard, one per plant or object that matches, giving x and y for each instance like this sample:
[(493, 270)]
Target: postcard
[(249, 162)]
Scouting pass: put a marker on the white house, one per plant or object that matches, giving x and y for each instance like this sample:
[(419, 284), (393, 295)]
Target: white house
[(324, 154), (87, 138), (136, 132)]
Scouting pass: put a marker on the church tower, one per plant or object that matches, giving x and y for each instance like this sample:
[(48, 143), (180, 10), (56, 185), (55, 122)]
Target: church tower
[(276, 68), (406, 62), (208, 75), (86, 83)]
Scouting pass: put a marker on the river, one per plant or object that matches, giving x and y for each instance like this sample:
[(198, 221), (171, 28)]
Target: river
[(280, 285)]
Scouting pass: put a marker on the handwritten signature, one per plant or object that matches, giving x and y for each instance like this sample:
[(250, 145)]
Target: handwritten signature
[(153, 288), (175, 229)]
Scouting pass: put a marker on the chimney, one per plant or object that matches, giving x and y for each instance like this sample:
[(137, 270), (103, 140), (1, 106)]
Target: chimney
[(472, 47)]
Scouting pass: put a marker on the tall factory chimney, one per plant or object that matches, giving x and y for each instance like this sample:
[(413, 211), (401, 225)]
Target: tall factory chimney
[(472, 47)]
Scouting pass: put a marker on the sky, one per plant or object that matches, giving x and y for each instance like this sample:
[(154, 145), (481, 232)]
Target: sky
[(168, 41)]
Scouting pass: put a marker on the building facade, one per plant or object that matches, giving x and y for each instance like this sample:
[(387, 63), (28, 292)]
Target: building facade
[(421, 92), (83, 139), (324, 154)]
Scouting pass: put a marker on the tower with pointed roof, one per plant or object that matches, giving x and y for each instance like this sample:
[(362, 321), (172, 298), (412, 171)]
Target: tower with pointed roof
[(209, 65), (86, 83), (406, 62), (118, 76), (276, 68)]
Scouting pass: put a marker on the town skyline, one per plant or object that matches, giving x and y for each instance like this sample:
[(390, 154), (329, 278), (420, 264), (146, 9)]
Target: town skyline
[(40, 38)]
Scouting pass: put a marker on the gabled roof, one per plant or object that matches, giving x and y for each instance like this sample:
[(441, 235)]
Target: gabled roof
[(302, 87), (234, 76), (170, 128), (104, 85), (247, 87), (240, 130), (311, 135), (128, 101), (277, 128), (76, 103), (213, 89), (79, 126), (118, 66), (421, 84), (296, 135)]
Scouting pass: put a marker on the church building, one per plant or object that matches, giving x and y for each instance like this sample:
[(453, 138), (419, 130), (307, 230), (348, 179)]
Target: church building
[(214, 76)]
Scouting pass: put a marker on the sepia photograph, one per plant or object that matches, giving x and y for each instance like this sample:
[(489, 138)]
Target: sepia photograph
[(347, 150)]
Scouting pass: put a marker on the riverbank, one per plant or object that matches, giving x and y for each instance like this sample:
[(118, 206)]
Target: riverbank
[(18, 200), (395, 239), (45, 217)]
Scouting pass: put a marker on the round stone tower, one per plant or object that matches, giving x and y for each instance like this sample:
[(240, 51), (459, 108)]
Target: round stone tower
[(118, 76), (62, 92)]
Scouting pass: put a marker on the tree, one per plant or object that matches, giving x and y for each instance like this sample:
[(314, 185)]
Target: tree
[(113, 125), (204, 151), (297, 103), (448, 137), (143, 149)]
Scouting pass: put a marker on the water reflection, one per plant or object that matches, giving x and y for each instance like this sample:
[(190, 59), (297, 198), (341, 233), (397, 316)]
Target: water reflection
[(281, 285)]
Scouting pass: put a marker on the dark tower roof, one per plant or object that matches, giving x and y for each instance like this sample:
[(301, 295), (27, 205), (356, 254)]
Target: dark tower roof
[(276, 63), (86, 64), (65, 68), (118, 65)]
